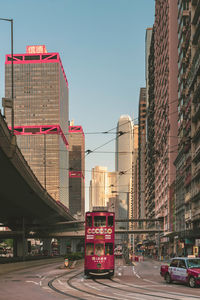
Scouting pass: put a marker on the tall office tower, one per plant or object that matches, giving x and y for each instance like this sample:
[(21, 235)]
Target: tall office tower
[(98, 187), (150, 143), (166, 102), (141, 152), (111, 191), (184, 156), (124, 165), (76, 170), (41, 115)]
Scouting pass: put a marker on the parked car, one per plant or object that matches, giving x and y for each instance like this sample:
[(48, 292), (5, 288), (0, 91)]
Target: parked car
[(182, 269)]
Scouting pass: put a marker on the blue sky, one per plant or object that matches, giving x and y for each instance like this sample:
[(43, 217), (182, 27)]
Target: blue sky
[(102, 47)]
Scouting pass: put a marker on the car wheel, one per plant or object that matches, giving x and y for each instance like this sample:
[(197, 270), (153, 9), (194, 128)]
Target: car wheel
[(168, 278), (192, 282)]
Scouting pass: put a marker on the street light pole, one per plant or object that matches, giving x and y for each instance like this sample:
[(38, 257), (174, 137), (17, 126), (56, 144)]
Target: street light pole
[(12, 75)]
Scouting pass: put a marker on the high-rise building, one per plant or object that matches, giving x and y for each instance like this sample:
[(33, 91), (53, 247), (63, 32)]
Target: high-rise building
[(187, 161), (41, 115), (124, 165), (111, 191), (166, 102), (183, 160), (147, 53), (103, 188), (133, 204), (150, 142), (194, 92), (98, 187), (141, 153), (150, 145), (76, 170), (133, 199)]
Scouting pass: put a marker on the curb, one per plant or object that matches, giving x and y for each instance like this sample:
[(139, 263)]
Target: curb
[(11, 267)]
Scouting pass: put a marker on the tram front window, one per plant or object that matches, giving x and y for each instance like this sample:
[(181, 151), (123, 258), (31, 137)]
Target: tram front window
[(89, 249), (89, 221), (110, 221), (100, 221), (99, 249), (108, 249)]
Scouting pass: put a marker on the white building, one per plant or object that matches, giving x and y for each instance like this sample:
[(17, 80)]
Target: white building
[(123, 165)]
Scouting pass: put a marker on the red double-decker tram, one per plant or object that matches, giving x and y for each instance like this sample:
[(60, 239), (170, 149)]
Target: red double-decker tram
[(99, 243)]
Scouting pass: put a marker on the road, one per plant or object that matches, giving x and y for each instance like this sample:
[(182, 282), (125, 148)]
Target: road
[(52, 282)]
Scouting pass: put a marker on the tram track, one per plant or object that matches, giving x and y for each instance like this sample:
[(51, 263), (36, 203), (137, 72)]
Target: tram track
[(137, 290), (183, 296), (50, 284)]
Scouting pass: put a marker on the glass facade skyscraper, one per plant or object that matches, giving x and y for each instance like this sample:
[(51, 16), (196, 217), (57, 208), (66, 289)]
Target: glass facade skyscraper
[(76, 171), (41, 115)]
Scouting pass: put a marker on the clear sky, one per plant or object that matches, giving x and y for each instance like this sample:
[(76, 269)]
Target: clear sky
[(102, 48)]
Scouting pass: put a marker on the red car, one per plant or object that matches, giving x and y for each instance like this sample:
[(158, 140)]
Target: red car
[(182, 269)]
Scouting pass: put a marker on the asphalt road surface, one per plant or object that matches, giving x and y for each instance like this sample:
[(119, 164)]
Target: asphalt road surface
[(53, 282)]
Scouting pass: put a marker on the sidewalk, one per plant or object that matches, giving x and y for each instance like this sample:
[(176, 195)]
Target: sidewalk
[(11, 267)]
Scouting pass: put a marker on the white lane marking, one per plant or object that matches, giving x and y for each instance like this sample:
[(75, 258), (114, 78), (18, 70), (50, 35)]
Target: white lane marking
[(134, 272), (152, 281), (130, 296), (30, 281), (90, 286)]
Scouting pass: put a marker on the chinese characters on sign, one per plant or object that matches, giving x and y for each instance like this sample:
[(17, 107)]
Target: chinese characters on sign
[(36, 49)]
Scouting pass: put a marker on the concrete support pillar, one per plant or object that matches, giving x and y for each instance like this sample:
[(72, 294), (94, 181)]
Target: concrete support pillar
[(20, 247), (63, 245), (47, 249), (74, 244)]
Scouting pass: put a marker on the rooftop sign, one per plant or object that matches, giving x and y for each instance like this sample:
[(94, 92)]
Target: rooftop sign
[(36, 49)]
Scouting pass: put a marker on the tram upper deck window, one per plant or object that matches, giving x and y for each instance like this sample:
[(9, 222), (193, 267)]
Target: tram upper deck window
[(99, 221), (89, 249), (110, 221), (89, 221)]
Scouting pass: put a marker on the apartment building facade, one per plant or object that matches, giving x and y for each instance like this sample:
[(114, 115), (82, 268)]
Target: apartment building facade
[(166, 102)]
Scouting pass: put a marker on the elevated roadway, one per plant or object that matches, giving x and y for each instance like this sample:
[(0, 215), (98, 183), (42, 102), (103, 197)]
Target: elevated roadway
[(23, 200)]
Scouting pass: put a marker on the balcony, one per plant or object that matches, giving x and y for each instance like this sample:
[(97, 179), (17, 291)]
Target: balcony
[(188, 215), (196, 135), (196, 35), (194, 68), (196, 14), (196, 173), (196, 156), (187, 197), (196, 94), (188, 179), (195, 214), (195, 192)]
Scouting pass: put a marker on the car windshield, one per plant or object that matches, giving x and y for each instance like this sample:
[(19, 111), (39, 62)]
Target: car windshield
[(194, 263)]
